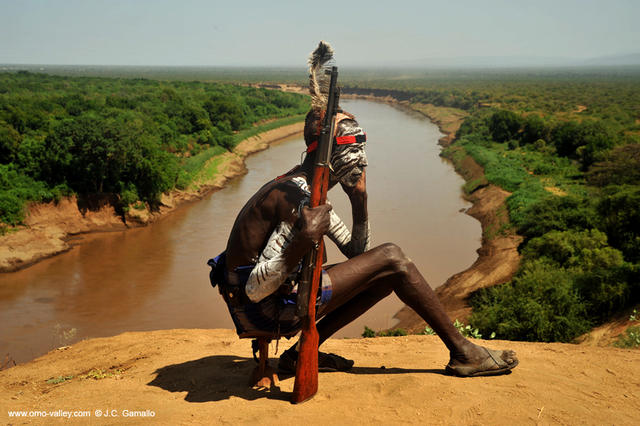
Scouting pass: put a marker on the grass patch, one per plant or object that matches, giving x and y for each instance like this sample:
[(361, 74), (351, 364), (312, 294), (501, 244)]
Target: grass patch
[(524, 173), (204, 165), (449, 119), (99, 374), (210, 170), (630, 339), (264, 127), (387, 333), (473, 185), (192, 166), (59, 379)]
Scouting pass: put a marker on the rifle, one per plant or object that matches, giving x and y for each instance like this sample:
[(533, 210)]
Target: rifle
[(306, 383)]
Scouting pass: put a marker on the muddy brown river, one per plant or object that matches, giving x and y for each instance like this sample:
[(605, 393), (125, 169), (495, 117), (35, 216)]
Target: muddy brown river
[(157, 278)]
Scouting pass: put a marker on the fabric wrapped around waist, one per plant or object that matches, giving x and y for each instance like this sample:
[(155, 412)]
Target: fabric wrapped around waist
[(231, 285)]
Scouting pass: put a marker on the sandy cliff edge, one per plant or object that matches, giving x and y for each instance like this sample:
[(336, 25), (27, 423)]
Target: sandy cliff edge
[(200, 376)]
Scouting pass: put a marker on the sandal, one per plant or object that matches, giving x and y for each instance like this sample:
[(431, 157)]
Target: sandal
[(326, 362), (496, 363)]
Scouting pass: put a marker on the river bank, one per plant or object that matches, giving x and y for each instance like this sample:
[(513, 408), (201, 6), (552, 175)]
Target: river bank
[(498, 258), (53, 228)]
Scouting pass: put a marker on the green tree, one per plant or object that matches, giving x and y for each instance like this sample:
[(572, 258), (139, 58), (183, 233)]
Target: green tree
[(619, 211), (621, 166), (539, 304), (534, 129), (9, 142), (222, 109), (505, 125)]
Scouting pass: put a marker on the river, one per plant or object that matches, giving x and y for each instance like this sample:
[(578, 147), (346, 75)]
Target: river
[(157, 278)]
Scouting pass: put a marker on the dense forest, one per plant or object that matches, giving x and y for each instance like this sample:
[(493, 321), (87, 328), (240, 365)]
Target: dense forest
[(568, 149), (135, 138)]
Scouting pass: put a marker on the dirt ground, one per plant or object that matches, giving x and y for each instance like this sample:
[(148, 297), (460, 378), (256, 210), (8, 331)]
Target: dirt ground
[(200, 376)]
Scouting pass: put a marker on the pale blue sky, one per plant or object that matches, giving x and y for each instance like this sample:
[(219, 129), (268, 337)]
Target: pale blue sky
[(275, 33)]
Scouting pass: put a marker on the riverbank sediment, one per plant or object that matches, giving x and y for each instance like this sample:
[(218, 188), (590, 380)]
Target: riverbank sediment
[(53, 228), (498, 257)]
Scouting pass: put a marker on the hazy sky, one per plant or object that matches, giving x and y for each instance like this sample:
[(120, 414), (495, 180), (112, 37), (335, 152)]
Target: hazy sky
[(272, 33)]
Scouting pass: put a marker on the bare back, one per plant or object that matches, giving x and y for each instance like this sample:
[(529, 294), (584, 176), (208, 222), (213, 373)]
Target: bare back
[(276, 202)]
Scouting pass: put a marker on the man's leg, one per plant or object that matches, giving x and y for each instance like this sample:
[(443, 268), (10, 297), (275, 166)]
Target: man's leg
[(362, 281), (375, 273)]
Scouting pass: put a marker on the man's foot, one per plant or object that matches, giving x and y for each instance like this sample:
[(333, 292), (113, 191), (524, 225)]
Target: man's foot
[(326, 362), (490, 363)]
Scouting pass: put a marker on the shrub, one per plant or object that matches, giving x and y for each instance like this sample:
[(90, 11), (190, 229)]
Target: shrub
[(621, 166), (535, 128), (16, 189), (608, 289), (504, 125), (568, 249), (619, 211), (554, 213), (539, 304), (385, 333), (630, 339)]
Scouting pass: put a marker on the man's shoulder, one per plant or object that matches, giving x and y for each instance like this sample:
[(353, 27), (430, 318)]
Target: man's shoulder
[(286, 193)]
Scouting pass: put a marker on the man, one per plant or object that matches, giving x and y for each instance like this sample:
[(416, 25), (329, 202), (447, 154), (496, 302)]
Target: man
[(275, 229)]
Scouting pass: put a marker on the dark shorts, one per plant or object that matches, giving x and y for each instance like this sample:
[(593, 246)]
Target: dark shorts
[(275, 314)]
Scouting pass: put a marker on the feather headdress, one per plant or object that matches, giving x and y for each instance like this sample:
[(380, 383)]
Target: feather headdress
[(319, 60)]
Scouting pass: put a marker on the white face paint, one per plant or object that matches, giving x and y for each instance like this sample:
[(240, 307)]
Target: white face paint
[(348, 163)]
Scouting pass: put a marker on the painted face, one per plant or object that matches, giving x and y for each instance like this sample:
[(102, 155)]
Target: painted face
[(348, 163)]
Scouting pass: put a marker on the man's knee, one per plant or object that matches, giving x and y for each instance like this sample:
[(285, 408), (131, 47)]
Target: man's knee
[(394, 257)]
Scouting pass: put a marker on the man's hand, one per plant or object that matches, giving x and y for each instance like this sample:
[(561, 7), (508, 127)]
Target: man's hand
[(314, 223), (360, 188)]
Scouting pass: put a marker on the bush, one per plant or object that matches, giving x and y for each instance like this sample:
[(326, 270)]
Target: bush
[(128, 195), (473, 125), (539, 304), (16, 189), (607, 290), (619, 211), (630, 339), (586, 141), (568, 249), (535, 128), (505, 125), (386, 333), (553, 213), (621, 166)]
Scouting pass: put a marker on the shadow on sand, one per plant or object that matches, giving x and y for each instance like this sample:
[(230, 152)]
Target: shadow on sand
[(218, 377)]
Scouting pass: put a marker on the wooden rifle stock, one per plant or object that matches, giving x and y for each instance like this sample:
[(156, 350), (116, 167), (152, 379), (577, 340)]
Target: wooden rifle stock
[(306, 382)]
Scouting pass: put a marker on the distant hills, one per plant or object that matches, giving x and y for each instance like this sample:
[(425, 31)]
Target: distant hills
[(630, 59), (519, 61), (629, 62)]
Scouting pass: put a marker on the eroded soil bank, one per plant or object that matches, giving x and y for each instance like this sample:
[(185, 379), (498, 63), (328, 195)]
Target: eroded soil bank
[(53, 228), (498, 257)]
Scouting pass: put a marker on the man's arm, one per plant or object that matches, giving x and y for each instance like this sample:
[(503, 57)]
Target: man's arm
[(285, 248), (357, 241)]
